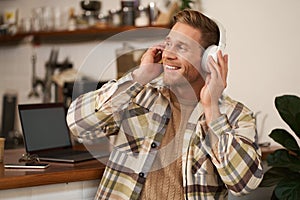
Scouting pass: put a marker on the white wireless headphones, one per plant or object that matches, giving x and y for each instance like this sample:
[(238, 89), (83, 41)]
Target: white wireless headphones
[(213, 49)]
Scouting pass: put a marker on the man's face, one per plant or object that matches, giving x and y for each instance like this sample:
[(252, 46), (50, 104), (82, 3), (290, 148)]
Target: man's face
[(182, 56)]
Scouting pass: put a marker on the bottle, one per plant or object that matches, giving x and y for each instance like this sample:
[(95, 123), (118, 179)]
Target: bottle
[(72, 20), (153, 12), (128, 12), (114, 17), (143, 18)]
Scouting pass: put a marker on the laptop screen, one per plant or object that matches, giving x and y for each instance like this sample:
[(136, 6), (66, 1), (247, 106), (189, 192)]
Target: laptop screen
[(44, 126)]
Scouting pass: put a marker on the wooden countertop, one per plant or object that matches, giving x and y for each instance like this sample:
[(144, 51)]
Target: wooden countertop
[(55, 173), (58, 172)]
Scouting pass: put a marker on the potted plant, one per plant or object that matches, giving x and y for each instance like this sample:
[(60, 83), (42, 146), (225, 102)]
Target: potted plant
[(284, 173), (185, 4)]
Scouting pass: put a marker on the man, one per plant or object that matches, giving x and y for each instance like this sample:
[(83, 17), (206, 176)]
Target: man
[(177, 136)]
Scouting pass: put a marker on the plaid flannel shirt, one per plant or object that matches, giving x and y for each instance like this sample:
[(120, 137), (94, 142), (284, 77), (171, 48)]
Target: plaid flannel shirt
[(138, 117)]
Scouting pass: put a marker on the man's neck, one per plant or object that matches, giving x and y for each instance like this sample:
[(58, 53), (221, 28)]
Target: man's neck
[(187, 92)]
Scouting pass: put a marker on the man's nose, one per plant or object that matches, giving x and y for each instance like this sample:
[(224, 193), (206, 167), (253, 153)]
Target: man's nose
[(169, 53)]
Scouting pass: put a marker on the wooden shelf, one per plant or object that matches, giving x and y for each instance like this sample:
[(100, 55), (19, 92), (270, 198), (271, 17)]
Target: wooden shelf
[(267, 150), (78, 35), (13, 39)]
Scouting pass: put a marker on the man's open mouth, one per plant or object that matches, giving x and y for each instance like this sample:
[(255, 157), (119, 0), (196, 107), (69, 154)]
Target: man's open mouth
[(169, 67)]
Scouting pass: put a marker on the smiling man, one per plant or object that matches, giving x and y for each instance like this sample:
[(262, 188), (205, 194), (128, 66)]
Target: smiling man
[(176, 134)]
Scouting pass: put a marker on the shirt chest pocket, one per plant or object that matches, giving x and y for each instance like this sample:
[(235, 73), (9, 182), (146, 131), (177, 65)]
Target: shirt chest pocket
[(139, 126), (141, 121), (136, 120)]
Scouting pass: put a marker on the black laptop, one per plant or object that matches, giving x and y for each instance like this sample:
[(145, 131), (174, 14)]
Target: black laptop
[(46, 133)]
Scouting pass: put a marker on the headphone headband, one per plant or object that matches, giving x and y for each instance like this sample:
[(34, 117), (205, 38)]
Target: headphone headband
[(222, 39), (213, 49)]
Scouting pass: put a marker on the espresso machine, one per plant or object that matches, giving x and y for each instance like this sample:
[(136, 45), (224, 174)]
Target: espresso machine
[(51, 66)]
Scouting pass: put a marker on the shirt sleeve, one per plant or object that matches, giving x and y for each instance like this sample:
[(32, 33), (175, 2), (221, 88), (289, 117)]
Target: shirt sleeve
[(236, 155), (96, 114)]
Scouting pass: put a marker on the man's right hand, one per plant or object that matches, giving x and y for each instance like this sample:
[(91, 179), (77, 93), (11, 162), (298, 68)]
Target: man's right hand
[(150, 67)]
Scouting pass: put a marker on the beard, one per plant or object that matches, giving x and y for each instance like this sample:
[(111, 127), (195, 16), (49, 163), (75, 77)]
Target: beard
[(181, 80), (175, 80)]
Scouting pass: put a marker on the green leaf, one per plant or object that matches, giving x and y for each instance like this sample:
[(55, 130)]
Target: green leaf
[(288, 189), (285, 139), (185, 4), (282, 158), (288, 107), (274, 175), (273, 197)]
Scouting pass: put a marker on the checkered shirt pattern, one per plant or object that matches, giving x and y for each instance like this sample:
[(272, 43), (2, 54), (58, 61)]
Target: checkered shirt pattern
[(138, 116)]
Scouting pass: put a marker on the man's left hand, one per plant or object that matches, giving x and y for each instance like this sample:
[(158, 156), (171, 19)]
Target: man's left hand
[(215, 83)]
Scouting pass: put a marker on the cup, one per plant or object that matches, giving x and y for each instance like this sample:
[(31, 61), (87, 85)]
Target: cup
[(48, 18), (11, 16), (37, 19), (25, 26), (2, 142)]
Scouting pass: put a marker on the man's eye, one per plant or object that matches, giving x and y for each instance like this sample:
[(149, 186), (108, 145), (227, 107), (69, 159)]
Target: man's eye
[(182, 47)]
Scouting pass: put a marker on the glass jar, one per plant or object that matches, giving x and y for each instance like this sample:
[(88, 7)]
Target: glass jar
[(115, 17), (143, 17)]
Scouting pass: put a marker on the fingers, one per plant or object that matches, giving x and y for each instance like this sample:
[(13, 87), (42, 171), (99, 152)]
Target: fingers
[(157, 49), (223, 64), (213, 67), (161, 46), (153, 54), (219, 69)]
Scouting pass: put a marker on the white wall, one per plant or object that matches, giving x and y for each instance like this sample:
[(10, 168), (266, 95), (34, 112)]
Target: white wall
[(262, 43)]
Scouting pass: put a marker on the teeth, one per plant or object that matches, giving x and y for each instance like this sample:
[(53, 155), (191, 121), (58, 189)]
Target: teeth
[(171, 67)]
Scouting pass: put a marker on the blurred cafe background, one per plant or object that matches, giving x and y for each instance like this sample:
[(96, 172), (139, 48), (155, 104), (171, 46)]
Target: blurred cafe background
[(53, 51), (48, 47)]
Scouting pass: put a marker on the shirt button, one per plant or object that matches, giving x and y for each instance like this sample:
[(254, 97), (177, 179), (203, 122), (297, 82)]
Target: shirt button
[(153, 145), (132, 88), (165, 118), (141, 174)]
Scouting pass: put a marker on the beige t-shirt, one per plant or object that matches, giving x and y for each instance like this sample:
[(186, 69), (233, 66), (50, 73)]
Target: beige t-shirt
[(165, 180)]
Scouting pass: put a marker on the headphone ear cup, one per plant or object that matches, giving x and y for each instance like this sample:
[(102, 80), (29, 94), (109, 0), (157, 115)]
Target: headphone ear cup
[(210, 51)]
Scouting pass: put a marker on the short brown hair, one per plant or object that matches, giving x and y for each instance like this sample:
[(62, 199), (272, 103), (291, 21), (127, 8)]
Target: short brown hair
[(208, 28)]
